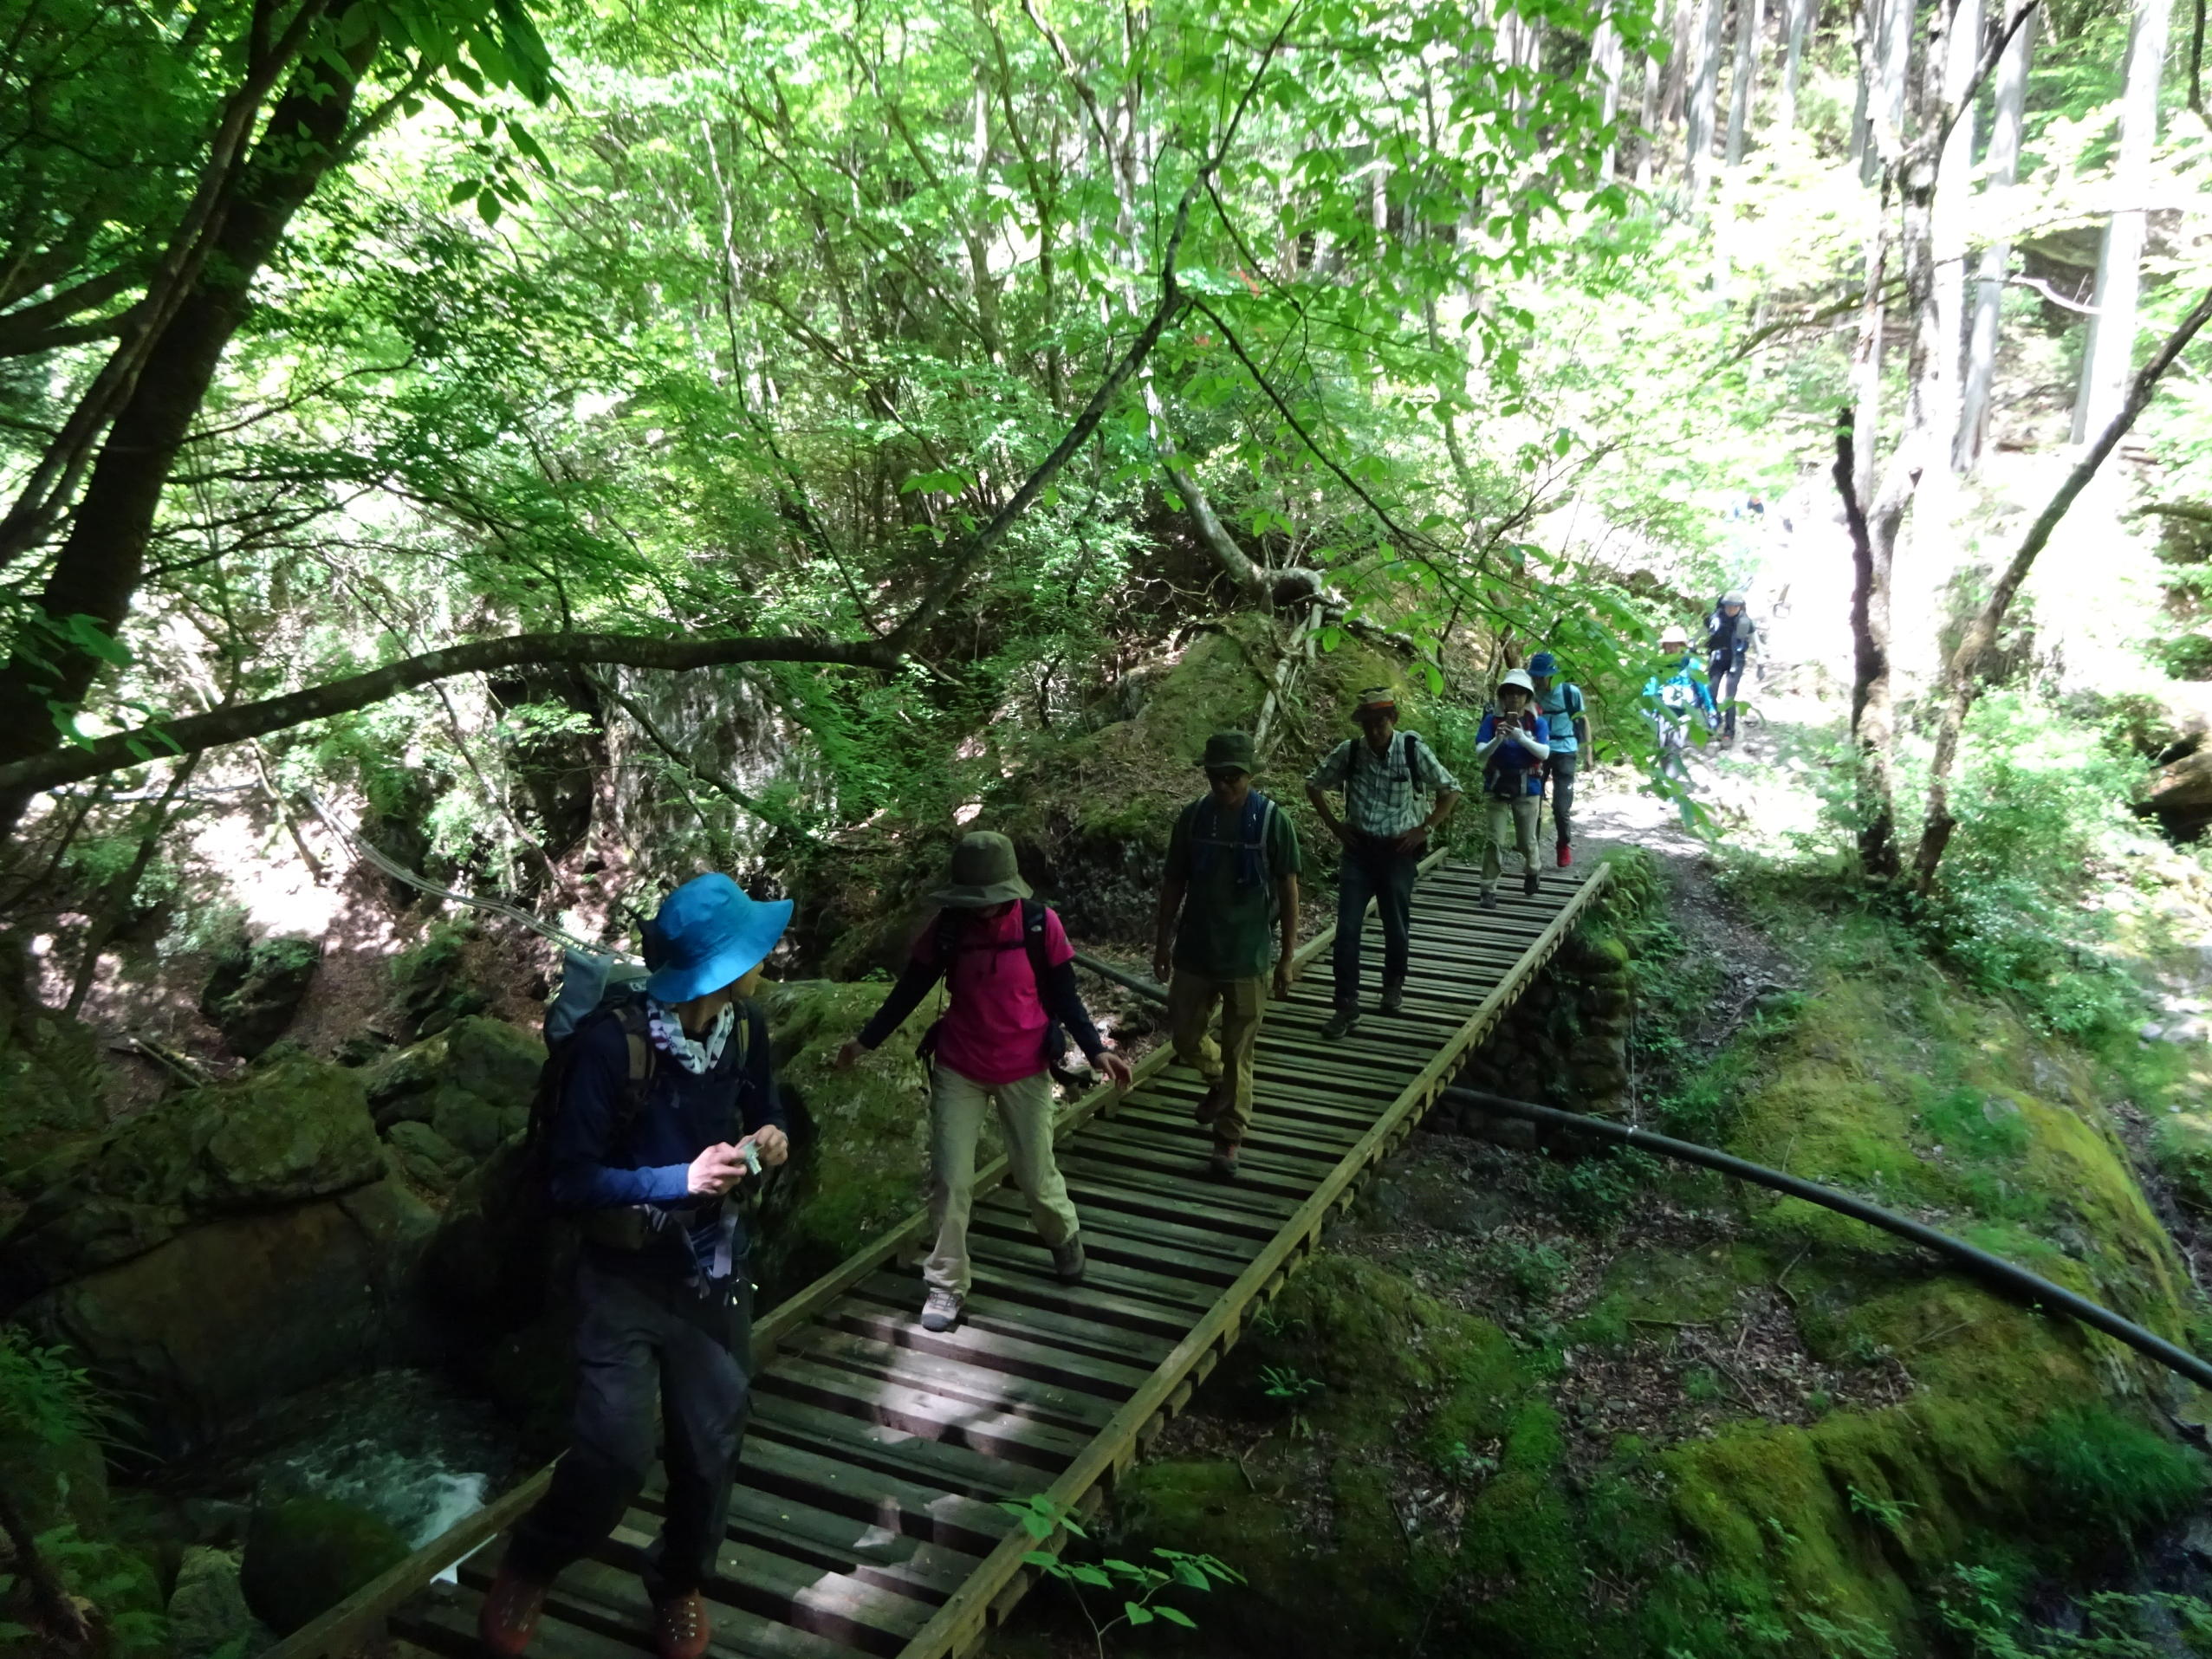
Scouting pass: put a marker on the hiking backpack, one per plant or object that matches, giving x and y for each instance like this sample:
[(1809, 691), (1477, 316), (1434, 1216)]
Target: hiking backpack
[(950, 924)]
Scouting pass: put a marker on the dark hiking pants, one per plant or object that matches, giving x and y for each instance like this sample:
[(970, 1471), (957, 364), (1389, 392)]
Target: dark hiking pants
[(640, 1337), (1560, 768), (1726, 683), (1372, 869)]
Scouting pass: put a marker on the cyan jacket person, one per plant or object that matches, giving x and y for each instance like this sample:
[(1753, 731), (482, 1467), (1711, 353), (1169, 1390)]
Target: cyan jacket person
[(663, 1305)]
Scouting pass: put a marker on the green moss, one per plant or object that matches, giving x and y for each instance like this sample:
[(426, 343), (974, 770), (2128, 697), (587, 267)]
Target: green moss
[(307, 1554), (2112, 1471)]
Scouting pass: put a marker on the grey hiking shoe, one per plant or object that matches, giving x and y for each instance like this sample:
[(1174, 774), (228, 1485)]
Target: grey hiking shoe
[(1393, 999), (1068, 1262), (1210, 1103), (1528, 881), (942, 1312), (1342, 1022), (1489, 900), (1222, 1165)]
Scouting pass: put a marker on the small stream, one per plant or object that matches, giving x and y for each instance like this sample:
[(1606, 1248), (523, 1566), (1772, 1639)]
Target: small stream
[(405, 1444)]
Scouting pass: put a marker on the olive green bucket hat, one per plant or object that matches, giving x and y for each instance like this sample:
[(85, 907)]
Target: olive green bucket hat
[(983, 873), (1229, 751)]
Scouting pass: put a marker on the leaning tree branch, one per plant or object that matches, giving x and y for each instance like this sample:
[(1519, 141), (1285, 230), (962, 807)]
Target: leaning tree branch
[(1962, 675)]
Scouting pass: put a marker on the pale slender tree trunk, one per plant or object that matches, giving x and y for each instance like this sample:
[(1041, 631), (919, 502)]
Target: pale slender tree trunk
[(1947, 221), (2108, 356), (1799, 23), (1674, 100), (1705, 96), (2003, 160), (1607, 63), (1647, 151), (1885, 99), (1750, 21), (1865, 31)]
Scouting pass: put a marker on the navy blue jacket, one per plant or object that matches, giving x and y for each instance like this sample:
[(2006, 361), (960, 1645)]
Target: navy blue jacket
[(683, 1116)]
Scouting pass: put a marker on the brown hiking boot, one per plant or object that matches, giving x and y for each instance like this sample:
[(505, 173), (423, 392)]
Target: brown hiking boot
[(509, 1617), (681, 1626), (1223, 1165)]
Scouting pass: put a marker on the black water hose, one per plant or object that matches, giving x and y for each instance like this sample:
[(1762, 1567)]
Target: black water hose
[(2038, 1291)]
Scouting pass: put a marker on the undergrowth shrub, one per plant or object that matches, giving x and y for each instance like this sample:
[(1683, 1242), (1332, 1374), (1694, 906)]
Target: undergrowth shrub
[(2099, 1466)]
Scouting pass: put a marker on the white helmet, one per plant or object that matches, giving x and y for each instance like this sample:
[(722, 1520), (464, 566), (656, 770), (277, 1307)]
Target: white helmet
[(1733, 597), (1674, 635), (1520, 677)]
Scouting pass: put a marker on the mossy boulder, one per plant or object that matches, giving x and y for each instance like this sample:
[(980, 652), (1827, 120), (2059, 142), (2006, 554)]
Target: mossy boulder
[(306, 1555), (208, 1612), (201, 1330), (295, 1130), (52, 1082), (257, 987), (859, 1140)]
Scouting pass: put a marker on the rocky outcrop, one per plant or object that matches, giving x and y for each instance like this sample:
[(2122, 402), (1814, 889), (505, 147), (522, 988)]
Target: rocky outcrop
[(299, 1130), (1564, 1044), (225, 1315), (257, 987), (307, 1554), (208, 1614)]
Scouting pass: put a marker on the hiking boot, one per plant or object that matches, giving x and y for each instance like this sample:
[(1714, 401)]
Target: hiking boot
[(681, 1627), (509, 1617), (1528, 881), (943, 1310), (1567, 855), (1068, 1260), (1393, 999), (1222, 1165), (1341, 1023), (1210, 1103), (1490, 899)]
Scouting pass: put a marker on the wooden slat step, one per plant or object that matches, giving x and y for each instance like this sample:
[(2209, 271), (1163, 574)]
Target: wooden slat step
[(1090, 1338), (778, 1469), (1116, 1247), (1189, 1295), (1200, 1231), (784, 1591), (849, 1544), (994, 1431), (1194, 1202), (926, 1460), (958, 1379), (1187, 1185), (1019, 1356), (1016, 1283), (1141, 1157)]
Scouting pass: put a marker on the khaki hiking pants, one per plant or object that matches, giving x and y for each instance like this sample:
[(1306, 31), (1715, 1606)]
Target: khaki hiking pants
[(1190, 1000), (1025, 1119), (1514, 820)]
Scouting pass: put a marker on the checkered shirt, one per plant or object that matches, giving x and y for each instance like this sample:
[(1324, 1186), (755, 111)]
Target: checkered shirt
[(1379, 789)]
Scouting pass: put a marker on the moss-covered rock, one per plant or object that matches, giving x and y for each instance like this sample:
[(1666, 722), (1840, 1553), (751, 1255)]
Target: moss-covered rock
[(208, 1612), (861, 1139), (256, 988), (307, 1554)]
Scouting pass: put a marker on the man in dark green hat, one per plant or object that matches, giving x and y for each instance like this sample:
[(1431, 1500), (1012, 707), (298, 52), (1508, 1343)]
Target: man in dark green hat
[(1228, 926)]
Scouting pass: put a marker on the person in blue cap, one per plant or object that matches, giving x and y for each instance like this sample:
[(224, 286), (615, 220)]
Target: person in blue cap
[(665, 1105), (1560, 704)]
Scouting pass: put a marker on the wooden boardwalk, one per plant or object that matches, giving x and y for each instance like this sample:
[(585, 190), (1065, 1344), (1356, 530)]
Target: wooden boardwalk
[(865, 1519)]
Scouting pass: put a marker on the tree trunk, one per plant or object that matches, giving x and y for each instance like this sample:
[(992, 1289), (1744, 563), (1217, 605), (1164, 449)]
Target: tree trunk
[(97, 570), (1800, 23), (1674, 99), (1750, 21), (1963, 674), (1889, 82), (2003, 160), (2108, 356), (1704, 96), (1647, 161), (1870, 679), (1866, 357), (1607, 62), (1947, 221), (1866, 30)]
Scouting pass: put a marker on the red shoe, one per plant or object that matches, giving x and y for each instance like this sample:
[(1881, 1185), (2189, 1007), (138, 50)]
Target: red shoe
[(681, 1626), (509, 1617), (1567, 855)]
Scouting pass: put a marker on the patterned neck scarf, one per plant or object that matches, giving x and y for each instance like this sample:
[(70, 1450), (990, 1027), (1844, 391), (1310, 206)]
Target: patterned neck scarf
[(668, 1036)]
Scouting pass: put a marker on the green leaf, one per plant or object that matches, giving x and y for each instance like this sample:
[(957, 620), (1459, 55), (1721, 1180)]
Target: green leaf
[(461, 192), (488, 205), (1177, 1616), (1137, 1613), (1090, 1575)]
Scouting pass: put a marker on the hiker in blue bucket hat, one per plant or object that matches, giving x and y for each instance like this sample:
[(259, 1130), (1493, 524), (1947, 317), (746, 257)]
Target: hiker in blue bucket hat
[(662, 1103)]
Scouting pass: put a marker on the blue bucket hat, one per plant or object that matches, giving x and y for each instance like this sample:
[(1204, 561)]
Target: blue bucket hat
[(1543, 663), (710, 933)]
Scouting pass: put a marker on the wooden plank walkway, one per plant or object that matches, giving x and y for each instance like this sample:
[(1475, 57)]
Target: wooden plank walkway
[(865, 1518)]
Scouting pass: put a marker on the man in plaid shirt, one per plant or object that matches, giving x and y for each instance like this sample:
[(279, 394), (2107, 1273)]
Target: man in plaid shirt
[(1383, 832)]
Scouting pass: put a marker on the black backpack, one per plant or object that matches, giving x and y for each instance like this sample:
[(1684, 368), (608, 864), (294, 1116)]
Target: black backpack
[(951, 924)]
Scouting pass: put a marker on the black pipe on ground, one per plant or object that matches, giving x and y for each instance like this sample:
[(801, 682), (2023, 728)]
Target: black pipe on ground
[(1995, 1270), (1130, 981)]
